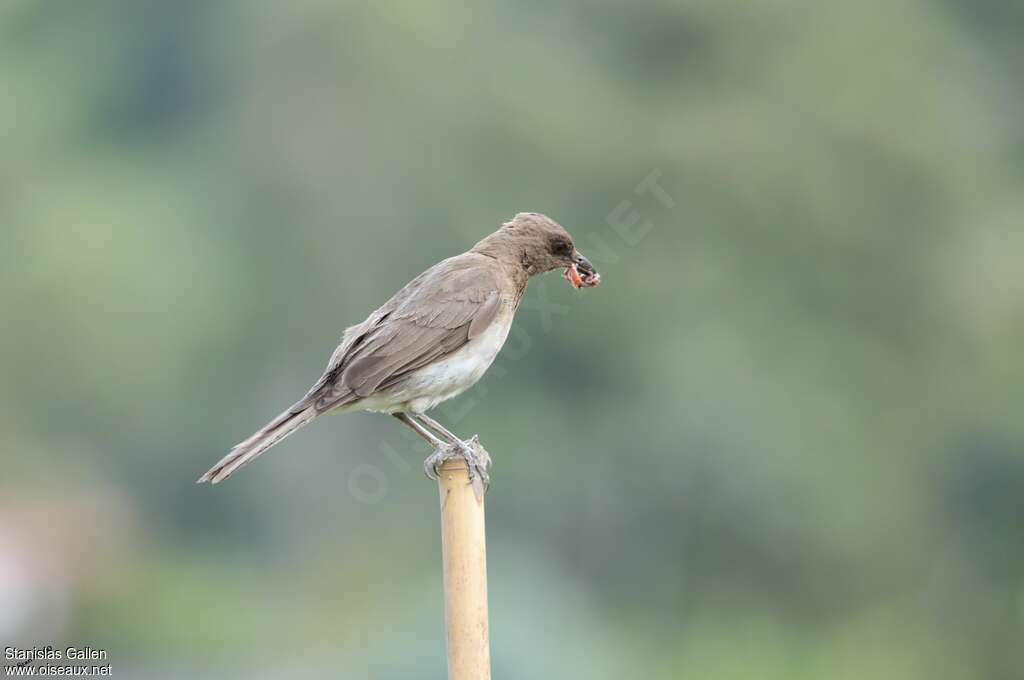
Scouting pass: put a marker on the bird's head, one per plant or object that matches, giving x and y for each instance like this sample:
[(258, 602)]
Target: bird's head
[(537, 244)]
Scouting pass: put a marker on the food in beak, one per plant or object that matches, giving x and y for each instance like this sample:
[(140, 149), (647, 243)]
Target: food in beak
[(579, 280)]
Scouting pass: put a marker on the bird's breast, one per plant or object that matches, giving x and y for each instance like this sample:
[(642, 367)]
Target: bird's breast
[(456, 373)]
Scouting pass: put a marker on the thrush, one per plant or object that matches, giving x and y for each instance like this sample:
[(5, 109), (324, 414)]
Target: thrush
[(430, 342)]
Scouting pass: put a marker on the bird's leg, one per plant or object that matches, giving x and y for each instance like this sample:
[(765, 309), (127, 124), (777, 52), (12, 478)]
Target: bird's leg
[(419, 429), (442, 451), (476, 456), (440, 429)]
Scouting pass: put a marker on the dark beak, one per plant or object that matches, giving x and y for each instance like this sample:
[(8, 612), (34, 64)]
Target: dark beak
[(582, 273), (583, 264)]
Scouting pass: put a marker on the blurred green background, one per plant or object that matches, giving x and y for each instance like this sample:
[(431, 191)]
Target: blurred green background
[(783, 439)]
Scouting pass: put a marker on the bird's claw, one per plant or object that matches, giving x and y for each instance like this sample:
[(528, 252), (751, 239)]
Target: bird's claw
[(440, 456), (478, 461)]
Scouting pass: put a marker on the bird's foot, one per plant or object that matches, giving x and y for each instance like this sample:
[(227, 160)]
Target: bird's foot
[(477, 460), (440, 456)]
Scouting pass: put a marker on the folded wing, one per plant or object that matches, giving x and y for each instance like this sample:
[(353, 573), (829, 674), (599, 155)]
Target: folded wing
[(454, 303)]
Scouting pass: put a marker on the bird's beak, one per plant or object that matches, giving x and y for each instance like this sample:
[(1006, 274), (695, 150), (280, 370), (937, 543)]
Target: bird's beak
[(581, 273), (583, 264)]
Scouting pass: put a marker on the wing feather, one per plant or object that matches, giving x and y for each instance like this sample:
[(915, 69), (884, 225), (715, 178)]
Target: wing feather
[(433, 317)]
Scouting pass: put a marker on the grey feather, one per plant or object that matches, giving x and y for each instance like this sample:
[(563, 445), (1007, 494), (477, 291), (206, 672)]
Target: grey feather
[(432, 317)]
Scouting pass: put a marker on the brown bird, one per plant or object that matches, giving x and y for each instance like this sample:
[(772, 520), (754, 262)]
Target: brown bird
[(431, 342)]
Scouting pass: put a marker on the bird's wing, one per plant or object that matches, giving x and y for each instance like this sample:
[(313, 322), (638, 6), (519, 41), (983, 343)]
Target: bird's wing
[(434, 315), (430, 319)]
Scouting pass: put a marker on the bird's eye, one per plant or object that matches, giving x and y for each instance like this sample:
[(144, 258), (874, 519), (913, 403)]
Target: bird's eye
[(561, 247)]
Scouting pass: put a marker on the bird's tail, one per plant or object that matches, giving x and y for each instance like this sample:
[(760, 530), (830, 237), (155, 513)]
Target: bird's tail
[(271, 434)]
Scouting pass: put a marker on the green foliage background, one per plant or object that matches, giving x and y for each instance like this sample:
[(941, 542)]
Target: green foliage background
[(783, 440)]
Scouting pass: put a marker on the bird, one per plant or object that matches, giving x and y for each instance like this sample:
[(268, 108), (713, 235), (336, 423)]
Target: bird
[(432, 341)]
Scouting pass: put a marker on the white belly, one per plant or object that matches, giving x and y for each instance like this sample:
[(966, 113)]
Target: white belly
[(427, 387)]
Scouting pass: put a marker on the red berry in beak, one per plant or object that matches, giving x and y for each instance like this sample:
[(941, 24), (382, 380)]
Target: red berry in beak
[(572, 275)]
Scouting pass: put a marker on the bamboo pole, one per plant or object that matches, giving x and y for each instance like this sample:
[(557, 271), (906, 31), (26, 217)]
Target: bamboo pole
[(464, 549)]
